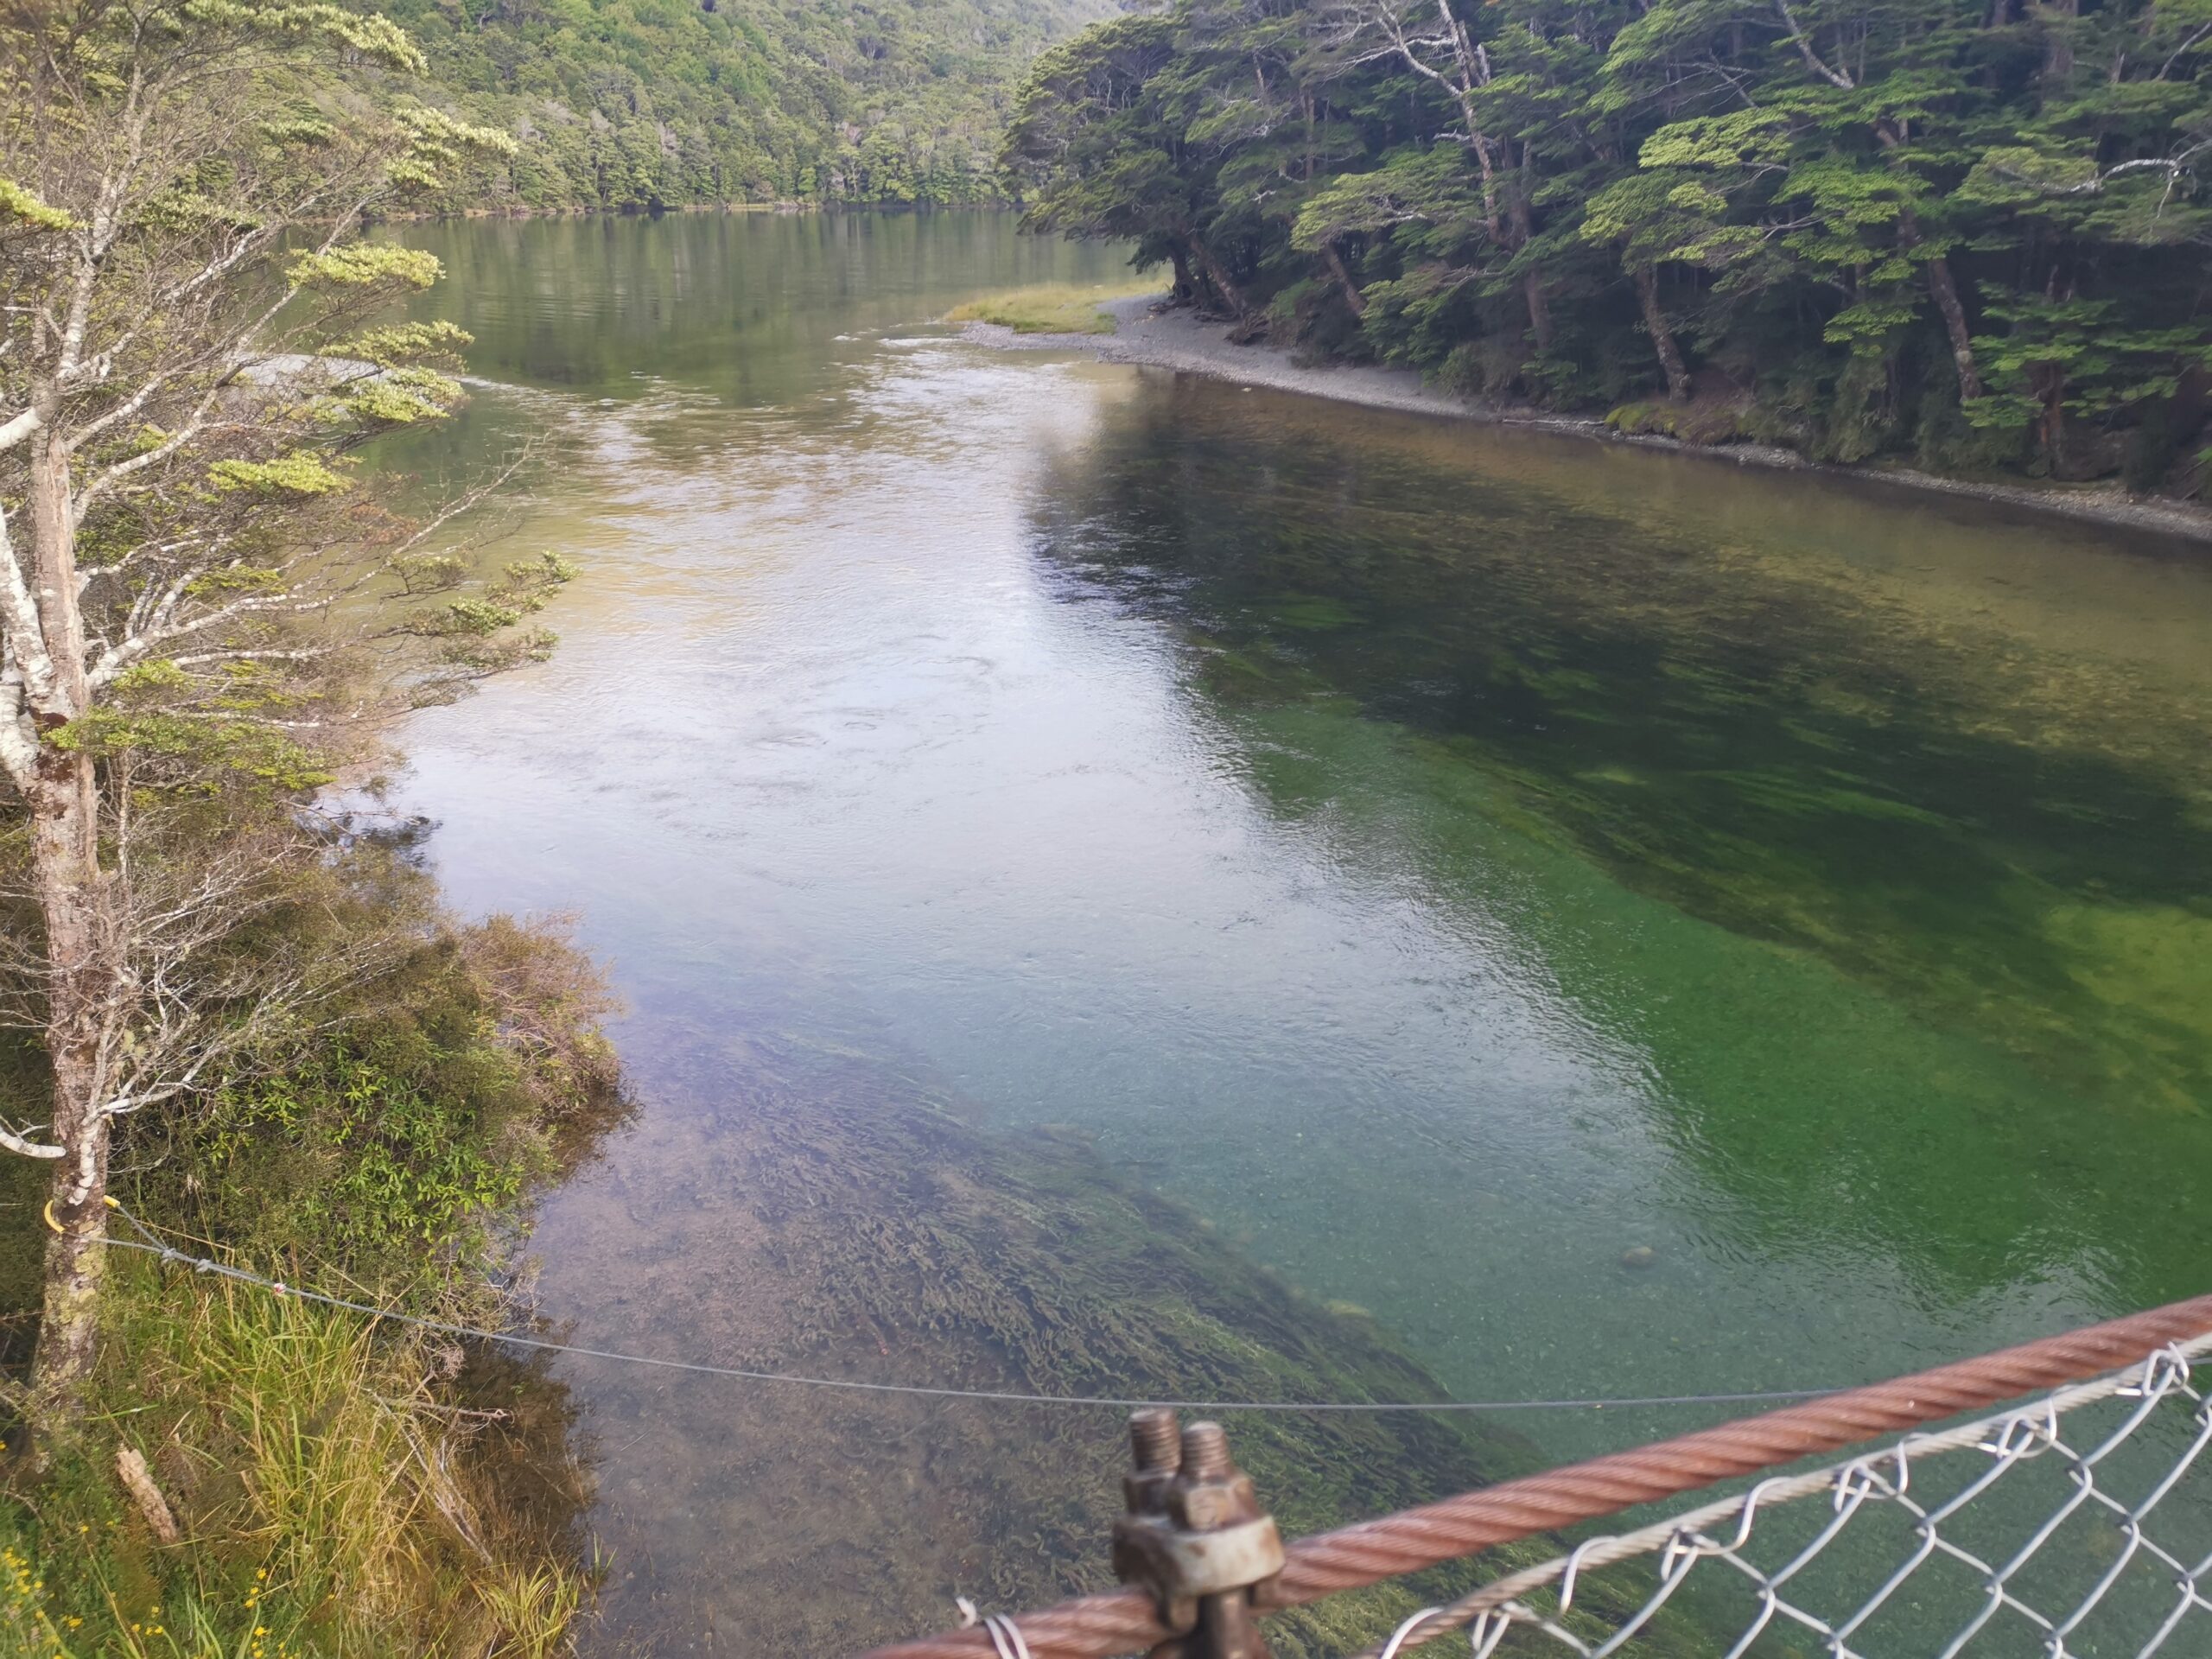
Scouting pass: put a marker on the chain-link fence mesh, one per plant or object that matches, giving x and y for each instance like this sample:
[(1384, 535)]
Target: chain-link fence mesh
[(2079, 1526)]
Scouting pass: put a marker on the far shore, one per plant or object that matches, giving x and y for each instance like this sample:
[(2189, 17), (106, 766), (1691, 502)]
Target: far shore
[(1150, 334)]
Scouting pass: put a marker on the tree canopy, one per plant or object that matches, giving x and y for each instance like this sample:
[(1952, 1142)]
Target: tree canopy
[(1972, 232), (641, 105)]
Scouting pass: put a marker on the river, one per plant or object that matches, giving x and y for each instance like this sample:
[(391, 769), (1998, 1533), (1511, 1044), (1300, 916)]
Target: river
[(1126, 883)]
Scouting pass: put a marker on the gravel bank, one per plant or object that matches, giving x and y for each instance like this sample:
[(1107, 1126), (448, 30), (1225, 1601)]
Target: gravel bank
[(1177, 339)]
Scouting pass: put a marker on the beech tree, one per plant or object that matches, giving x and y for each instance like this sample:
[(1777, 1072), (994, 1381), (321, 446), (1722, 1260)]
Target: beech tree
[(197, 605), (1969, 232), (1102, 157)]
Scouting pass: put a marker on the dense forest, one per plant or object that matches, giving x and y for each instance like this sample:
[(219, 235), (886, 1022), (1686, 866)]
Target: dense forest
[(642, 105), (1967, 234)]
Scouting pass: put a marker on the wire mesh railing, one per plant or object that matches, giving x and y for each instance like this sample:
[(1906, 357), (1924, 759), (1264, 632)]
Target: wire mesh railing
[(2063, 1527), (2076, 1525)]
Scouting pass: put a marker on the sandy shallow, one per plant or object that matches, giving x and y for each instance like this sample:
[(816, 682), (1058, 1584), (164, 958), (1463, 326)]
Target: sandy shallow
[(1148, 334)]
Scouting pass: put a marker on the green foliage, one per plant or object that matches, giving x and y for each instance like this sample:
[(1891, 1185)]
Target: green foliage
[(643, 105), (398, 397), (525, 587), (475, 617), (215, 748), (313, 1468), (1725, 422), (374, 38), (437, 1100), (296, 474), (1876, 226), (428, 573), (330, 1500), (365, 264), (2079, 357), (400, 1163), (23, 205), (474, 655), (391, 347)]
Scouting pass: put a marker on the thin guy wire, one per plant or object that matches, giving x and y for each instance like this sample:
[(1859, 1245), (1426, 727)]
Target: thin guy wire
[(153, 1245)]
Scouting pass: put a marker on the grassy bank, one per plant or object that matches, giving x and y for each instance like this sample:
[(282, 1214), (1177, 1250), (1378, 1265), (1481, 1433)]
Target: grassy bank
[(1048, 309), (314, 1483), (328, 1497)]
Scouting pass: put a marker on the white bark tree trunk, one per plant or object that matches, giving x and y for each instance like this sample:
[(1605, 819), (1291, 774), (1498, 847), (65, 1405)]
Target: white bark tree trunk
[(79, 946)]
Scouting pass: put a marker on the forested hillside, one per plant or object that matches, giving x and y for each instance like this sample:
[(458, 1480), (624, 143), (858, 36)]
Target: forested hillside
[(1973, 234), (648, 104)]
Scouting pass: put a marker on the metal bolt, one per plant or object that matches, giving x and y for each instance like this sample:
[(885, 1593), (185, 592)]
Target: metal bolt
[(1155, 1447), (1152, 1439), (1205, 1451)]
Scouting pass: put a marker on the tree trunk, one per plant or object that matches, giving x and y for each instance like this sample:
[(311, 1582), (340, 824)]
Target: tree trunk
[(2054, 421), (1532, 290), (65, 859), (2059, 48), (1946, 292), (1540, 310), (76, 1253), (1662, 337), (1480, 145), (1353, 298), (1941, 285), (80, 947), (1187, 287), (1220, 280)]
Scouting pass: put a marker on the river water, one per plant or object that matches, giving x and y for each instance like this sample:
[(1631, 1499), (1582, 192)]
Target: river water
[(1112, 872)]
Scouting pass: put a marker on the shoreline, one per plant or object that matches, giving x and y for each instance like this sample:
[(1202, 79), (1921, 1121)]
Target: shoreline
[(521, 211), (1146, 337)]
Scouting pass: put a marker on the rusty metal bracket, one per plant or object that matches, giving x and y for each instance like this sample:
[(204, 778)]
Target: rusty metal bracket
[(1195, 1538)]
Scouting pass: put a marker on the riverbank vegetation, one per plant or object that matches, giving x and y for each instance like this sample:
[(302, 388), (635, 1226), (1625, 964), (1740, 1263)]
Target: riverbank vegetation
[(1966, 235), (1046, 309), (312, 1482), (229, 1008), (630, 105)]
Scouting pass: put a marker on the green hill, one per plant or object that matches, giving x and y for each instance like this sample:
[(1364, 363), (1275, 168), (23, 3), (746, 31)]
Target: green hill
[(645, 103)]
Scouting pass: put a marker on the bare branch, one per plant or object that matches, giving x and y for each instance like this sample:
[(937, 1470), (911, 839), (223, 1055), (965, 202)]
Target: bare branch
[(25, 1149), (1833, 77)]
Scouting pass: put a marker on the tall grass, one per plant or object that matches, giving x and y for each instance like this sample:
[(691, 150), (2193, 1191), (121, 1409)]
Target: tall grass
[(322, 1491), (1049, 307)]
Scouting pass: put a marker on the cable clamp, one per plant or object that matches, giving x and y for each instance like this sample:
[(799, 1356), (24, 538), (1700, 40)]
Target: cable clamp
[(1195, 1539)]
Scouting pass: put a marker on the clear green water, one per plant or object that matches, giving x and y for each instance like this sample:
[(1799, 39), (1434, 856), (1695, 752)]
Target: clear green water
[(1444, 859)]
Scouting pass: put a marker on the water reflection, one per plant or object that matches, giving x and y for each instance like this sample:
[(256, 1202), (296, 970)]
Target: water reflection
[(1035, 809), (1990, 818)]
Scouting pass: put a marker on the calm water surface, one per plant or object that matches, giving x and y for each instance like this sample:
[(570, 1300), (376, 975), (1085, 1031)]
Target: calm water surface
[(1445, 860)]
